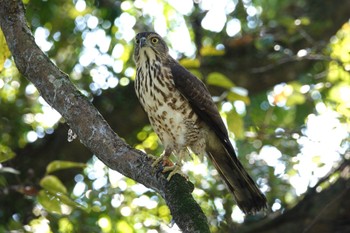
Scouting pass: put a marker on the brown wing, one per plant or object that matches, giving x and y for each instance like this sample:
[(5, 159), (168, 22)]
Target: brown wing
[(247, 195), (201, 101)]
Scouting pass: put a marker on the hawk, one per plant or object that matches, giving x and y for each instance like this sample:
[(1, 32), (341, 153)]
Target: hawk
[(184, 116)]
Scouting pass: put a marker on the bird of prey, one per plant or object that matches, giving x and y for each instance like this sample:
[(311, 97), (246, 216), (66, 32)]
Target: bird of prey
[(184, 116)]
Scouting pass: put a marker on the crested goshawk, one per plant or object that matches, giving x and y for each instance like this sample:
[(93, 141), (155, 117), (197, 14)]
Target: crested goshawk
[(183, 114)]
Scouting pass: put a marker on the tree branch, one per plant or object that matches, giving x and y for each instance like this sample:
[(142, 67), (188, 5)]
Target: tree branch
[(325, 211), (91, 128)]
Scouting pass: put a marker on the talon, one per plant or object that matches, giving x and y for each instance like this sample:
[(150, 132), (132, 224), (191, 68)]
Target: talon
[(163, 165), (156, 162), (160, 163), (159, 170), (175, 169), (164, 159)]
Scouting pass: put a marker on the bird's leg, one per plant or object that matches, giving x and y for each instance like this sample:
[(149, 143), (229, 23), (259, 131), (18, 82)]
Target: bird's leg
[(177, 167), (164, 158)]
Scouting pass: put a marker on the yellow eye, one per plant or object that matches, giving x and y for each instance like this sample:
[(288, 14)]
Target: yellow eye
[(154, 40)]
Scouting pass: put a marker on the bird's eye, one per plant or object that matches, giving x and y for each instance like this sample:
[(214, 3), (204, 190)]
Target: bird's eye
[(137, 41), (154, 40)]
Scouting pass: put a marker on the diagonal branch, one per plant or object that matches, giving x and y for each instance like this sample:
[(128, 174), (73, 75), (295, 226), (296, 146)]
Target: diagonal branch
[(91, 128)]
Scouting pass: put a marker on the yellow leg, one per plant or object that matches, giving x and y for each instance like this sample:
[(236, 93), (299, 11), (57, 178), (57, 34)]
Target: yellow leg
[(158, 159), (164, 158), (167, 165), (177, 167)]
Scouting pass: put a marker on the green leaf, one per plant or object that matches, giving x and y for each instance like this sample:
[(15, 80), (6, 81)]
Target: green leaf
[(68, 201), (6, 153), (123, 226), (49, 201), (233, 96), (235, 124), (220, 80), (9, 170), (59, 165), (211, 51), (4, 52), (53, 184), (305, 21), (54, 194), (65, 225), (52, 201), (190, 63), (295, 98)]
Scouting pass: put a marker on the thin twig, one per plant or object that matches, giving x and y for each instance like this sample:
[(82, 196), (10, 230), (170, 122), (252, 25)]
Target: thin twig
[(294, 58)]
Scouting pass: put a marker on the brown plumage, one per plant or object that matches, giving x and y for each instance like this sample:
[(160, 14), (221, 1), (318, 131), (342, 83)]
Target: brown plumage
[(183, 114)]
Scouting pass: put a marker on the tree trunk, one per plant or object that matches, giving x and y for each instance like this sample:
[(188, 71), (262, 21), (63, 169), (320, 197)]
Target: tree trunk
[(91, 128)]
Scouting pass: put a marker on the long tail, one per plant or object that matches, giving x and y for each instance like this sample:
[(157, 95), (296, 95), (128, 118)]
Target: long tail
[(247, 195)]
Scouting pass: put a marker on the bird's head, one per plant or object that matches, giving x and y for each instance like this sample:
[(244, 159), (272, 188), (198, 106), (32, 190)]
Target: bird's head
[(149, 45)]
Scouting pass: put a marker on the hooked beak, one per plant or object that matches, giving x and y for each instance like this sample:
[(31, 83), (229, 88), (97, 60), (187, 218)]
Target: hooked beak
[(143, 42)]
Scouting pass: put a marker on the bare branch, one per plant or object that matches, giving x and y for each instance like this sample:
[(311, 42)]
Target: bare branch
[(295, 58)]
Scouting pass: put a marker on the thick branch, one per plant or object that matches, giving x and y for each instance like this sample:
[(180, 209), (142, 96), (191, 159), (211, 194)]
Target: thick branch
[(92, 130)]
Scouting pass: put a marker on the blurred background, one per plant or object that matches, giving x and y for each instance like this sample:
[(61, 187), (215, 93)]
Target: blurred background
[(277, 70)]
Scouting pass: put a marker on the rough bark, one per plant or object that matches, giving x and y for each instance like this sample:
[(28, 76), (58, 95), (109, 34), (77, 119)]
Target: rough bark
[(91, 128)]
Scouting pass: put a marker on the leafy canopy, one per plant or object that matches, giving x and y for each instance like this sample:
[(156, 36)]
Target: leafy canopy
[(289, 136)]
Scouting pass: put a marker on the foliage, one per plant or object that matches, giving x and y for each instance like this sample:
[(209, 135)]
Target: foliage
[(288, 136)]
